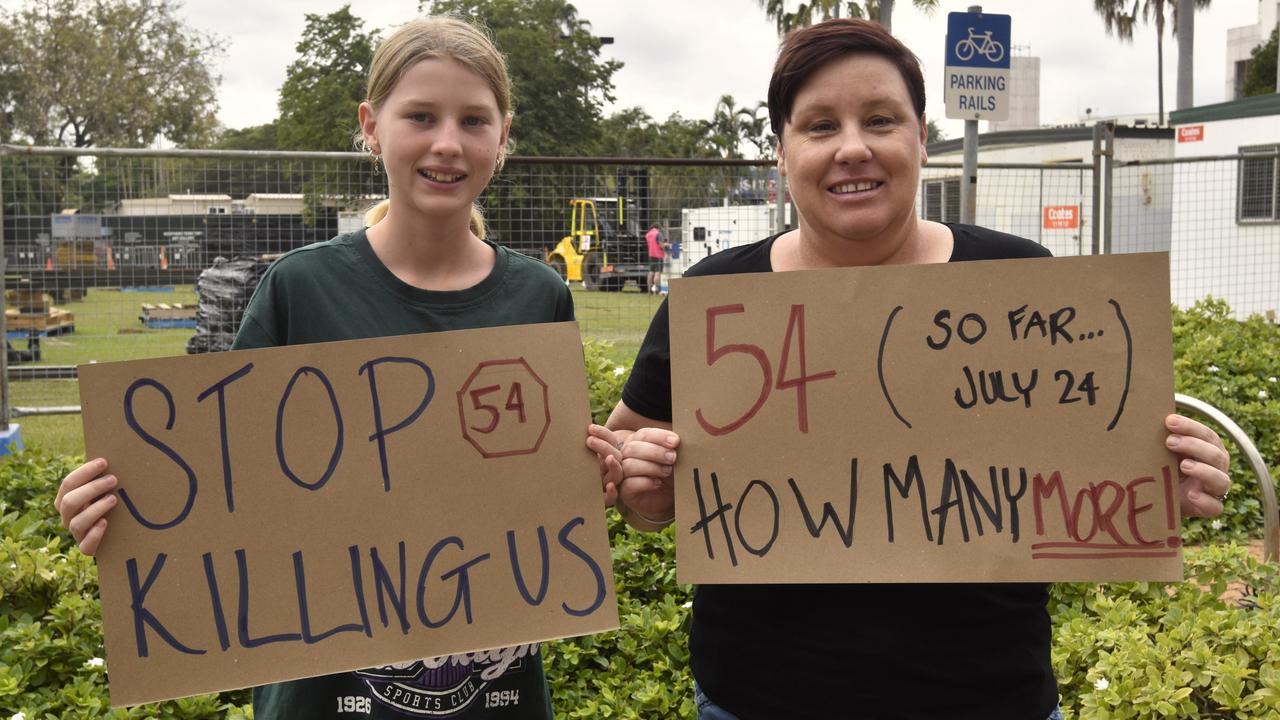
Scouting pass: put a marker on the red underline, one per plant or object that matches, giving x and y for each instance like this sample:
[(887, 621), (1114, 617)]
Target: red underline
[(1100, 546), (1102, 555)]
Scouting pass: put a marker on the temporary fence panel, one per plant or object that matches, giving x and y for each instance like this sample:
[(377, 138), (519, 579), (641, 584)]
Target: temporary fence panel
[(1050, 204), (92, 238), (105, 247), (1220, 242)]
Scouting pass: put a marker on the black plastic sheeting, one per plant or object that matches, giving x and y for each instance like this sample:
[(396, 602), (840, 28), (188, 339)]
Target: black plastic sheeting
[(223, 293)]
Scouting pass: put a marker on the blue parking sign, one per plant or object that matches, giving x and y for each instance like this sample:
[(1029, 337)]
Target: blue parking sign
[(978, 40)]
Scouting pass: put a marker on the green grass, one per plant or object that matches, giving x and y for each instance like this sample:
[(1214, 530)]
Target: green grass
[(618, 317), (108, 329)]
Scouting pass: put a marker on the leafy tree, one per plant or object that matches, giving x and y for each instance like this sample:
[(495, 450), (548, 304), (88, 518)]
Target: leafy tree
[(559, 81), (326, 83), (105, 72), (256, 137), (1120, 17), (1260, 78), (632, 133), (934, 132)]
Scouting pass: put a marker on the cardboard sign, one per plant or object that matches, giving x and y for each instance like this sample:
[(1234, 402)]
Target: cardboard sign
[(1191, 133), (305, 510), (1061, 217), (977, 421)]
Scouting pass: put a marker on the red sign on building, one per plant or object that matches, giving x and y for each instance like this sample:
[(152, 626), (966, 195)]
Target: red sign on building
[(1191, 133), (1061, 217)]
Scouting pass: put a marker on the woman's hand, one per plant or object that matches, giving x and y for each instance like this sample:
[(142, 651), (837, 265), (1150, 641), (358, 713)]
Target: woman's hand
[(84, 499), (1202, 466), (636, 471)]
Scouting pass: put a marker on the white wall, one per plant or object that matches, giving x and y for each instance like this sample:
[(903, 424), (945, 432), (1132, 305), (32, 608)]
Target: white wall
[(145, 206), (1012, 201), (1024, 95), (1212, 253), (1226, 137), (274, 204)]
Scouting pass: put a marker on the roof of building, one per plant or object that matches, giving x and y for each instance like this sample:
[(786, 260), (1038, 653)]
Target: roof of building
[(1256, 106), (200, 198), (1048, 135)]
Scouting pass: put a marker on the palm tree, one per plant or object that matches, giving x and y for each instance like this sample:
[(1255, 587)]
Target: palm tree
[(884, 14), (730, 125), (805, 13), (1120, 18)]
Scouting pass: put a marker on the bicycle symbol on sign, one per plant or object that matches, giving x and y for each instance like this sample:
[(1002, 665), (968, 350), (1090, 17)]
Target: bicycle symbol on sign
[(982, 44)]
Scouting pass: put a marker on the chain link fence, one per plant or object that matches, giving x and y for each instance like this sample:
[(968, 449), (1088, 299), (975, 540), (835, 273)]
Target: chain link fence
[(104, 248), (1215, 216)]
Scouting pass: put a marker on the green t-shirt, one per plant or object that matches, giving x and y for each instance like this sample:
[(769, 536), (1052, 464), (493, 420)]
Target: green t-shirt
[(339, 290)]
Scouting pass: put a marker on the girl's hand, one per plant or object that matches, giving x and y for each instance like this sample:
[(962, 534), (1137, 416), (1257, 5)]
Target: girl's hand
[(636, 470), (1202, 466), (84, 499), (607, 445)]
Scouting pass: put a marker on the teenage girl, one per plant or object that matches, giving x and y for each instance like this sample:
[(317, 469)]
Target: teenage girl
[(437, 118)]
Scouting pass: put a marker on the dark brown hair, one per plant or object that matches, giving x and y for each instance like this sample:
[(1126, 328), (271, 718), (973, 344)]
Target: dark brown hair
[(806, 50)]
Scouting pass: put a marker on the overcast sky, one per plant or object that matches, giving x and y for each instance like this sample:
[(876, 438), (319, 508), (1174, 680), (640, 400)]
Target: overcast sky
[(682, 55)]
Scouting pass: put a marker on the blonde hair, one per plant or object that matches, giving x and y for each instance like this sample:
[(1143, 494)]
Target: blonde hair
[(444, 38)]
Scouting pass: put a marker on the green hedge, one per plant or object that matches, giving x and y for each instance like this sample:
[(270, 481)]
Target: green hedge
[(1234, 366), (1208, 647), (1124, 650)]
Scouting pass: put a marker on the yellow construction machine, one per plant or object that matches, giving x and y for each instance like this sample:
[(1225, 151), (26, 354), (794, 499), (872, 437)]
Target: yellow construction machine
[(605, 246)]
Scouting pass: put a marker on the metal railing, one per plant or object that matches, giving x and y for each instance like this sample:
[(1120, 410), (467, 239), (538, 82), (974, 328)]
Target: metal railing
[(1266, 484)]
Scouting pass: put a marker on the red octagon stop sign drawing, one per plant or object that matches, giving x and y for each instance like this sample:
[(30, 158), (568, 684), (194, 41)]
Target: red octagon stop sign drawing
[(503, 408)]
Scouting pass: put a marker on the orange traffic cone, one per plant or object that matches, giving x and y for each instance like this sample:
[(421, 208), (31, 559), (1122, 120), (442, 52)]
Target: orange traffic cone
[(111, 259), (164, 261), (48, 263)]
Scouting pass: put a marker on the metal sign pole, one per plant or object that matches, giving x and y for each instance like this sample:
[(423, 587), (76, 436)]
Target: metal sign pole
[(969, 183), (1108, 157), (976, 86), (1097, 189)]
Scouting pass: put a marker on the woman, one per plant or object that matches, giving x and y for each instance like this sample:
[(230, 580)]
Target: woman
[(437, 118), (846, 103)]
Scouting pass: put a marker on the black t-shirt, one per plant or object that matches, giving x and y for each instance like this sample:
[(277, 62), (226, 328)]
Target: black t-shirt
[(915, 651)]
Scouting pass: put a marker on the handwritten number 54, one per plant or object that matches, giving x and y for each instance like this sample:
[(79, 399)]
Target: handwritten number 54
[(793, 341), (514, 402)]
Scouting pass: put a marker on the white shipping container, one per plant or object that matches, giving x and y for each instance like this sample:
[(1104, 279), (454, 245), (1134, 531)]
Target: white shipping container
[(707, 230)]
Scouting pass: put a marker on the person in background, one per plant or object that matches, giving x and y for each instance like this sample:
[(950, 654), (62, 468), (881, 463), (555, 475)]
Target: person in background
[(437, 118), (657, 255), (846, 103)]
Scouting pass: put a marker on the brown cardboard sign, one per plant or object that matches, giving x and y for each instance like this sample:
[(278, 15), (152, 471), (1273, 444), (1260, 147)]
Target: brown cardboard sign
[(977, 421), (299, 511)]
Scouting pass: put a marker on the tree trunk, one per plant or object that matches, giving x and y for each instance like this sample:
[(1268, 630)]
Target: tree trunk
[(886, 15), (1186, 29), (1160, 67)]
